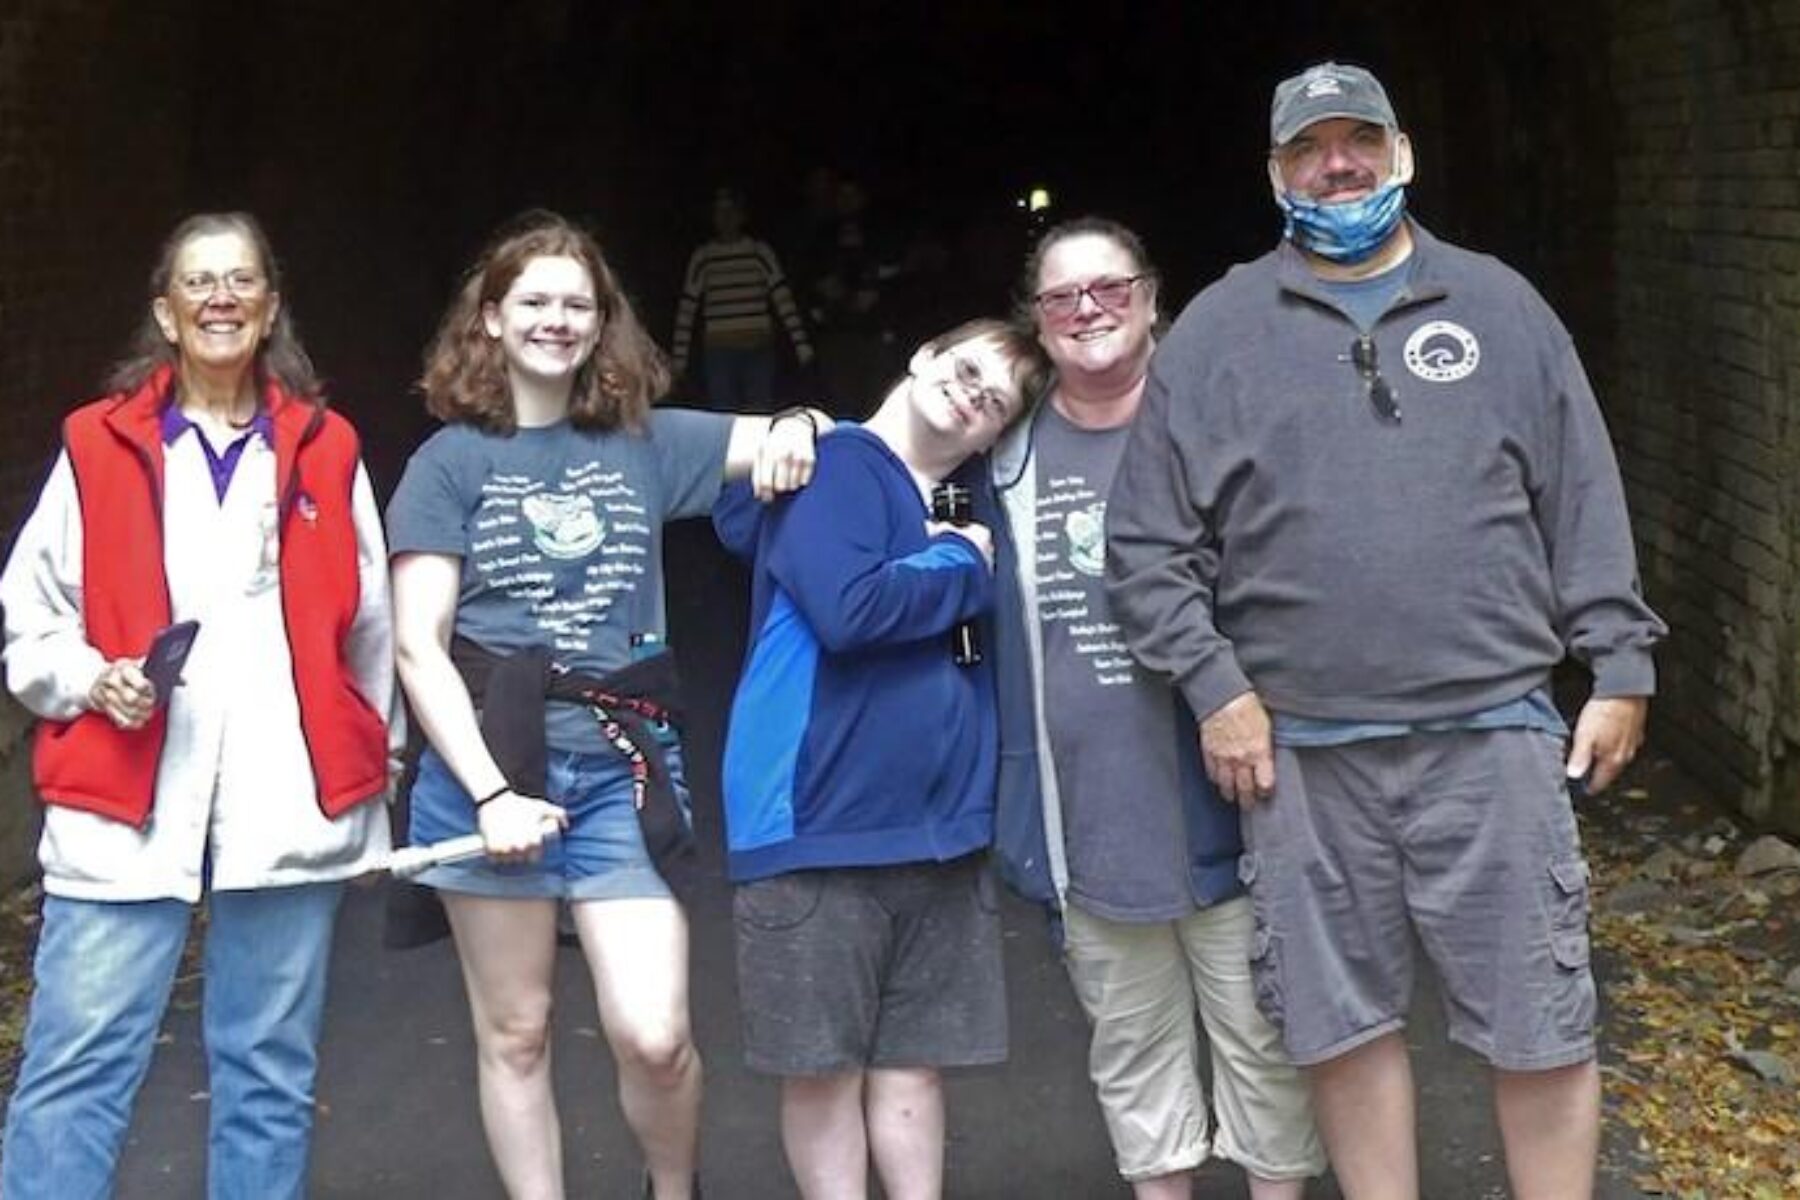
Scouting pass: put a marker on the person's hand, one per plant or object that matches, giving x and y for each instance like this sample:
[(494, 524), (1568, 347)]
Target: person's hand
[(513, 827), (1237, 744), (1607, 736), (122, 694), (977, 533), (784, 461)]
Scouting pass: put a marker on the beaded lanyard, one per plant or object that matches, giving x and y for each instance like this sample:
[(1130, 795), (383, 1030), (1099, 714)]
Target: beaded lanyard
[(613, 731)]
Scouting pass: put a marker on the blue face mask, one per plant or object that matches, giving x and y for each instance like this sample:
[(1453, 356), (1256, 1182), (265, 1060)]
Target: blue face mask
[(1344, 233)]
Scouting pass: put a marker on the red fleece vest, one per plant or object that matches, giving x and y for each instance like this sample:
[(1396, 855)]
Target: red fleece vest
[(115, 447)]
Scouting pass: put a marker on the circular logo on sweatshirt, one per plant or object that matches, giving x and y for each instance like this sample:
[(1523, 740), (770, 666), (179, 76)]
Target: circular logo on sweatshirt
[(1442, 352)]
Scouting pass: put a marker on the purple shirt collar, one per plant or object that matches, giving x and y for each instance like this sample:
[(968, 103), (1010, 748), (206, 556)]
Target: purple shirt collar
[(223, 466)]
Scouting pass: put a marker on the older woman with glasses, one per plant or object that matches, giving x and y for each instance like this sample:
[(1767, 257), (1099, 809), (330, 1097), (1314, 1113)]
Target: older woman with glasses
[(211, 485), (1104, 812)]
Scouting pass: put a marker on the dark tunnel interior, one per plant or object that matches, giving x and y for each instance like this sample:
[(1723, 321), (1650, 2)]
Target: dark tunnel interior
[(380, 143)]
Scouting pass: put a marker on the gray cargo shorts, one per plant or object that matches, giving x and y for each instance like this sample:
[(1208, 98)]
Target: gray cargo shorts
[(1467, 838)]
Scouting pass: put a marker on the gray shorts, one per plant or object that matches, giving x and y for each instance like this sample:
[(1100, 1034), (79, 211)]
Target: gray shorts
[(856, 967), (1467, 838)]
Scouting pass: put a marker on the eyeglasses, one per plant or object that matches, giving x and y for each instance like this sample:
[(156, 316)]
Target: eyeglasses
[(1112, 294), (1381, 394), (969, 377), (200, 286)]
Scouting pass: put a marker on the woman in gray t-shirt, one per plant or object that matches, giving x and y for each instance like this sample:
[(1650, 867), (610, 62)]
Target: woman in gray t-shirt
[(532, 523)]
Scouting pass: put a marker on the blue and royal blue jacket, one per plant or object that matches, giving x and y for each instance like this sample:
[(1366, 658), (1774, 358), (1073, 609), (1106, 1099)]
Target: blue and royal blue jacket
[(854, 739)]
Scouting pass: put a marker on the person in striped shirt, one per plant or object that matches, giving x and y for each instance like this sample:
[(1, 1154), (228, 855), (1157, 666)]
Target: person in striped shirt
[(735, 285)]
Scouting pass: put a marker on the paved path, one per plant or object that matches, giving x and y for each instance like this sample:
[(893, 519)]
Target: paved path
[(397, 1088)]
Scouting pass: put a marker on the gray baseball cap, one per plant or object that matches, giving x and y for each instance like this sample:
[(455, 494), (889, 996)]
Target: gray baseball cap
[(1325, 91)]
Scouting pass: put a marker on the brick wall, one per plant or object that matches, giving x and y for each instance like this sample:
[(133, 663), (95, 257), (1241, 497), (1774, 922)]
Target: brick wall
[(1637, 160), (1702, 373)]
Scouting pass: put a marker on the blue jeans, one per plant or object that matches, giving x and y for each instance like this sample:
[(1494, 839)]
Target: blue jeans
[(102, 980)]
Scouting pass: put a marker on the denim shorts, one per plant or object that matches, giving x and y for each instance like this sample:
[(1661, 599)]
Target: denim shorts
[(600, 856)]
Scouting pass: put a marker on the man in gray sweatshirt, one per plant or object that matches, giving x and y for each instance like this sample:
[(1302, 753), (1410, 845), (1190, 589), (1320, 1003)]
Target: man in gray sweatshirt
[(1368, 504)]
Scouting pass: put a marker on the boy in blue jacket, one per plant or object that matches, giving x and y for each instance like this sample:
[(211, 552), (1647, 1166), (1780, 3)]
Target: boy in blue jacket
[(859, 778)]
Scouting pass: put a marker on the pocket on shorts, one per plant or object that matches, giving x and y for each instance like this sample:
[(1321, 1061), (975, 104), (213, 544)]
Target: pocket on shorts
[(1574, 1002), (1265, 974), (778, 903), (1265, 959), (1248, 867)]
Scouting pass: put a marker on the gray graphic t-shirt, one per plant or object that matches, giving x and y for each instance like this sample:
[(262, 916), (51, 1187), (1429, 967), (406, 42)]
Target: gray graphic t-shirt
[(1112, 727), (560, 534)]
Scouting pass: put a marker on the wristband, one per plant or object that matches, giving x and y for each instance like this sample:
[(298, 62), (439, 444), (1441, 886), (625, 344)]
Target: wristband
[(494, 795), (800, 411)]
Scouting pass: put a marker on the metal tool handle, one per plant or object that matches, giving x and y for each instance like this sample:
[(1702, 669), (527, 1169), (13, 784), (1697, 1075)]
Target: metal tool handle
[(409, 861)]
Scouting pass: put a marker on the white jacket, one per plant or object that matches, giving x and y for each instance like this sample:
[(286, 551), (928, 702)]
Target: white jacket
[(235, 800)]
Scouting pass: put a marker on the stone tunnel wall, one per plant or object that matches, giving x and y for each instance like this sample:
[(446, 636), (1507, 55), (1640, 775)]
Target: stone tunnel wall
[(1702, 374)]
